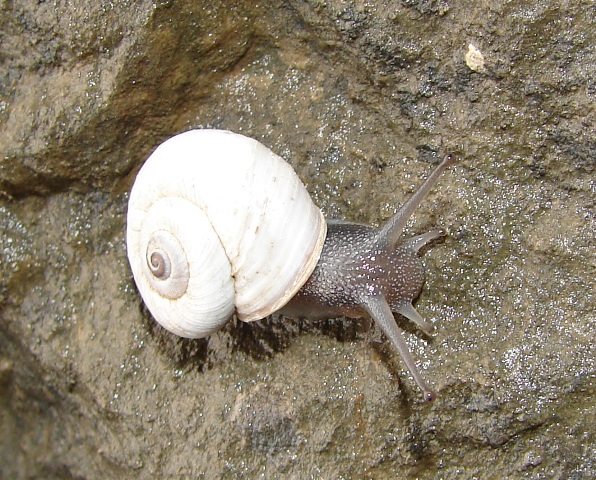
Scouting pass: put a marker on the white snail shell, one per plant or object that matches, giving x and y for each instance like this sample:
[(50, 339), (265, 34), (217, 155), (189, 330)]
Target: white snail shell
[(218, 224)]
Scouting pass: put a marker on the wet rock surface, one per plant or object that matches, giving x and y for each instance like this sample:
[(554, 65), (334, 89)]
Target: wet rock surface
[(361, 98)]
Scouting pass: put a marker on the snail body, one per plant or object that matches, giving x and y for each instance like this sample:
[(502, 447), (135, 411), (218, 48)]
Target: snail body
[(218, 224)]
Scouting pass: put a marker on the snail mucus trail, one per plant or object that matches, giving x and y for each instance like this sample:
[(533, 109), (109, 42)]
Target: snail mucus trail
[(218, 225)]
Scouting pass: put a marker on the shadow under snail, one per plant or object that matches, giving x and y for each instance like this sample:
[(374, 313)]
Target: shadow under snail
[(220, 225)]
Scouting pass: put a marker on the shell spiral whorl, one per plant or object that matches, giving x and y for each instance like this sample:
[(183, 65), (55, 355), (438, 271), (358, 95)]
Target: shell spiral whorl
[(217, 224), (167, 263), (159, 263)]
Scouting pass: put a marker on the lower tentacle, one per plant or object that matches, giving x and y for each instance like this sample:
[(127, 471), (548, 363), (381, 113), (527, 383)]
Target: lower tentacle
[(379, 310)]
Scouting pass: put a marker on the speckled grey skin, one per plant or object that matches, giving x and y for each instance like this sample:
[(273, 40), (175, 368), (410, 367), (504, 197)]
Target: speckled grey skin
[(362, 270)]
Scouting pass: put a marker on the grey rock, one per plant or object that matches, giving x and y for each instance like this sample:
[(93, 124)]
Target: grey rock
[(360, 97)]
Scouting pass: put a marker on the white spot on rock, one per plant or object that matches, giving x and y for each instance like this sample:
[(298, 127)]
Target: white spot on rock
[(475, 59)]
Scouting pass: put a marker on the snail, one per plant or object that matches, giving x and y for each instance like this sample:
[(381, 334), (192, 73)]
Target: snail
[(219, 225)]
